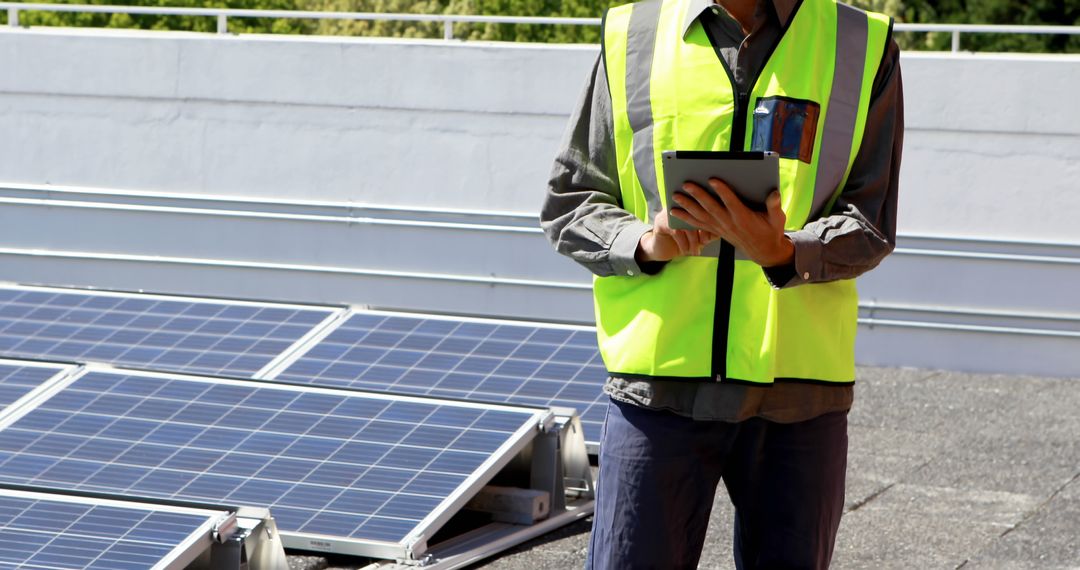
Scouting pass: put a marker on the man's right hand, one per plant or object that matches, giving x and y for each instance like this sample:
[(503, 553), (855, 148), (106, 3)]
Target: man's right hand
[(664, 244)]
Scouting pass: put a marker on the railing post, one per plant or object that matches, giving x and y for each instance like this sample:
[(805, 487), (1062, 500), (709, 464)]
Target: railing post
[(448, 29), (956, 41), (13, 16), (222, 24)]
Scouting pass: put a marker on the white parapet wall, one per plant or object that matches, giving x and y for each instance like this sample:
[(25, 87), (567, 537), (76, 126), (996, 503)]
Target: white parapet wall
[(451, 124), (992, 146), (262, 166)]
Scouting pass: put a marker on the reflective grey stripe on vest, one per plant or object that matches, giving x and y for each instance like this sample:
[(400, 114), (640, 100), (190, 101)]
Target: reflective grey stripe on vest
[(640, 46), (842, 113), (640, 49)]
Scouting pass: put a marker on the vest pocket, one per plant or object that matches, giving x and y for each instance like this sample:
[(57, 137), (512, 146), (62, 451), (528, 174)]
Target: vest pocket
[(786, 126)]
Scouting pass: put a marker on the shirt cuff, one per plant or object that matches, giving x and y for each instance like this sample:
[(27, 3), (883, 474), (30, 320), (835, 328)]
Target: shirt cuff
[(780, 275), (623, 249), (809, 266)]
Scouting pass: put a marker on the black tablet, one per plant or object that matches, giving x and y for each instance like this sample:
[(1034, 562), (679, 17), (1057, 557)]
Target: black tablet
[(753, 175)]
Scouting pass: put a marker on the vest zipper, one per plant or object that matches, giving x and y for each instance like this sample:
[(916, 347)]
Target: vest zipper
[(725, 262), (725, 267)]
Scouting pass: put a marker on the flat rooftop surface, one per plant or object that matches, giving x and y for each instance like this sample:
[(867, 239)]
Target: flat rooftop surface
[(945, 470)]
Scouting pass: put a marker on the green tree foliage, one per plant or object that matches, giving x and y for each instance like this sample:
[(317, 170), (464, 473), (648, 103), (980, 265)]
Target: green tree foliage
[(529, 32), (1032, 12), (891, 7), (466, 31), (168, 22), (382, 28)]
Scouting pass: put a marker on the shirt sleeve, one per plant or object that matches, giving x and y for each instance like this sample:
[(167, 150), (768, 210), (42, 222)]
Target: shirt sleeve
[(860, 230), (582, 214)]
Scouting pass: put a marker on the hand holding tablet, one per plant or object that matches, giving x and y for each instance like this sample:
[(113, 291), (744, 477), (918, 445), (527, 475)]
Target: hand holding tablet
[(751, 175), (748, 216)]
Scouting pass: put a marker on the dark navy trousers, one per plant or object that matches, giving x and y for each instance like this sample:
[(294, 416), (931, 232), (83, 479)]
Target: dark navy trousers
[(658, 477)]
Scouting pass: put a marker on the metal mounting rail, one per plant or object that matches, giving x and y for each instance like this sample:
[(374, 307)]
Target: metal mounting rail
[(448, 20)]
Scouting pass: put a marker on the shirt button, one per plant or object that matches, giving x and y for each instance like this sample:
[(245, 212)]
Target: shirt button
[(806, 275), (630, 272)]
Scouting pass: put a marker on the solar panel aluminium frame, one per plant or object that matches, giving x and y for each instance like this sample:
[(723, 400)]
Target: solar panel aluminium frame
[(63, 370), (271, 372), (186, 552), (300, 350), (172, 297), (414, 545), (467, 549), (571, 463), (335, 312)]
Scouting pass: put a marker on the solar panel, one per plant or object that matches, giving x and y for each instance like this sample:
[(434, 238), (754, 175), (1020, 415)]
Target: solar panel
[(149, 331), (484, 360), (58, 532), (19, 378), (370, 468)]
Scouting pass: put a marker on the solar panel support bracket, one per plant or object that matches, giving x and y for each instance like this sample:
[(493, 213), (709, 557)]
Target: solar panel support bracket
[(576, 476), (262, 546), (419, 544), (225, 528)]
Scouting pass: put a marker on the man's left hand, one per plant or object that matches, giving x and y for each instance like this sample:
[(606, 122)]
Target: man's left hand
[(760, 235)]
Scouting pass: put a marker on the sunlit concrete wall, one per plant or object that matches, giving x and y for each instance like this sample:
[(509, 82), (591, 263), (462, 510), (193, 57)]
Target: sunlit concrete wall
[(252, 130), (992, 143), (434, 124)]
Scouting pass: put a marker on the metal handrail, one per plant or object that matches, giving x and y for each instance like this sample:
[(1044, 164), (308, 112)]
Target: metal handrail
[(491, 281), (223, 14), (448, 20), (957, 29), (55, 196)]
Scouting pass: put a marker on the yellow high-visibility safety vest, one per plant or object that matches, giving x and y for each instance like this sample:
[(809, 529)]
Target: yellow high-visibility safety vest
[(809, 103)]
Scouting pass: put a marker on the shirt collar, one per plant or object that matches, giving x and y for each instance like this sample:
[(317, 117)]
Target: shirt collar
[(784, 10)]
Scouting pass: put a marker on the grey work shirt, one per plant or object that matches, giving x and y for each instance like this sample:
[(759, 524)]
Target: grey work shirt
[(583, 218)]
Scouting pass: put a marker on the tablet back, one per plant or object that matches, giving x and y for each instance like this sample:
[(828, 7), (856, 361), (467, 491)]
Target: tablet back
[(752, 175)]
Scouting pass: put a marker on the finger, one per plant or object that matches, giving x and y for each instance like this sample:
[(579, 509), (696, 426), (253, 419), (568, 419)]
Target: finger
[(680, 238), (660, 223), (732, 203), (706, 237), (689, 186), (698, 217), (688, 218), (709, 203), (777, 218), (694, 210), (693, 242)]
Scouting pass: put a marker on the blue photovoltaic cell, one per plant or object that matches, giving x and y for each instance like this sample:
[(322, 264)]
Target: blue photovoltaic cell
[(18, 380), (60, 535), (341, 464), (188, 335), (520, 364)]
